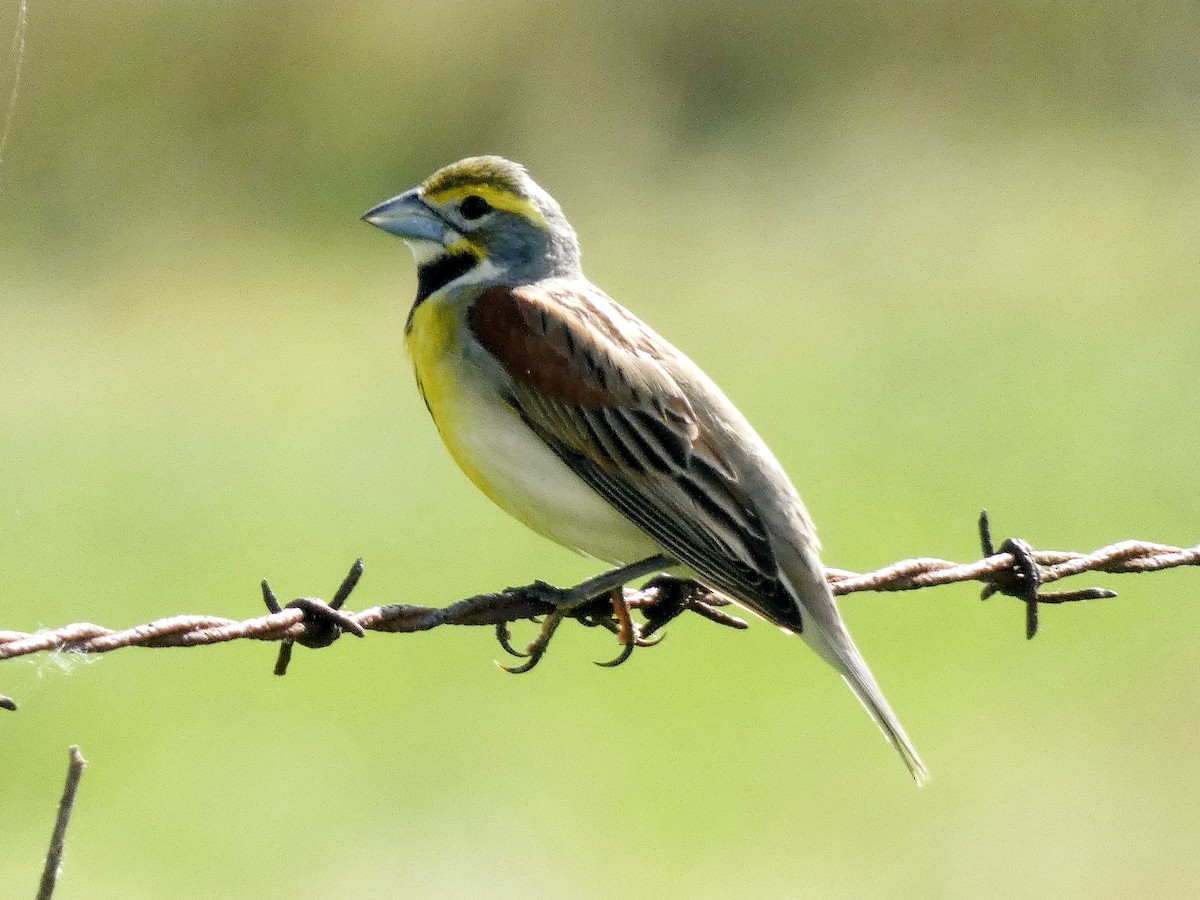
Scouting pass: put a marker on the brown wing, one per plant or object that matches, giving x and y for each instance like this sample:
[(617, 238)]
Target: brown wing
[(585, 377)]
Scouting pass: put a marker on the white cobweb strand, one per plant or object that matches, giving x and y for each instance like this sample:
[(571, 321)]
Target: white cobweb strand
[(17, 52)]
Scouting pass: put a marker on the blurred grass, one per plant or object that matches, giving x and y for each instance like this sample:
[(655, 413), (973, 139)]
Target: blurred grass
[(943, 257)]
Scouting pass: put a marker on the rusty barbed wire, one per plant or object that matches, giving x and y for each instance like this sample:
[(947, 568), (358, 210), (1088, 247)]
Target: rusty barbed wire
[(1016, 570), (1121, 558)]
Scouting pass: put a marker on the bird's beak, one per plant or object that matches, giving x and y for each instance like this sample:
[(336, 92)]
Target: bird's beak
[(408, 217)]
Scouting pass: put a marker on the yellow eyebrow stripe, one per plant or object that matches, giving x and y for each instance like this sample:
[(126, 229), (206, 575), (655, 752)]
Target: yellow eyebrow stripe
[(497, 198), (466, 245)]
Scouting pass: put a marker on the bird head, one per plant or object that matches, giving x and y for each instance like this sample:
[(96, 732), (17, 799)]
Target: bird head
[(484, 216)]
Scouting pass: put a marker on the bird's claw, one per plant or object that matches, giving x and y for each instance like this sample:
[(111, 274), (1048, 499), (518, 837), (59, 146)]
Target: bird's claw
[(537, 647), (534, 659), (624, 629), (505, 639), (626, 652)]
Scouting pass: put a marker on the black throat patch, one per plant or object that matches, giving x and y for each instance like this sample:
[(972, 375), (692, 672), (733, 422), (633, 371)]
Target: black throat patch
[(435, 275)]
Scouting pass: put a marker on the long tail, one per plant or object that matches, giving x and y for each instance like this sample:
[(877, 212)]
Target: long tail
[(826, 633), (853, 669)]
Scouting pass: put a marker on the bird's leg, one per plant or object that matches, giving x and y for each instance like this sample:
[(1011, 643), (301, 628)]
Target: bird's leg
[(601, 584), (567, 601)]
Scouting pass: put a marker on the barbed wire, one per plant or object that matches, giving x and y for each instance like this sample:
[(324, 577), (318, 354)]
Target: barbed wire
[(1015, 569)]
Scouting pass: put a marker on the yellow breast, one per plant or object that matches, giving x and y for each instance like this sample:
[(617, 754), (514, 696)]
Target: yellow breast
[(434, 343), (501, 454)]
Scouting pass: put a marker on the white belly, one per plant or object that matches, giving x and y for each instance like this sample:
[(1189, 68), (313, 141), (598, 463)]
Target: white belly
[(510, 464)]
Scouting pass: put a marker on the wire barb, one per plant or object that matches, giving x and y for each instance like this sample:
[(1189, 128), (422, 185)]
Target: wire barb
[(1024, 579), (1015, 569), (323, 622)]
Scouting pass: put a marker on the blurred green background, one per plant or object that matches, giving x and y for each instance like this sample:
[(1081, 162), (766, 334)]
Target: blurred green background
[(943, 256)]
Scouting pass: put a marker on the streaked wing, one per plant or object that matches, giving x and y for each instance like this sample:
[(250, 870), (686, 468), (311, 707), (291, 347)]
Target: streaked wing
[(585, 377)]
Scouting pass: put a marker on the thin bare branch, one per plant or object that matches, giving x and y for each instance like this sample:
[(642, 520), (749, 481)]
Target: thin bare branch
[(58, 840)]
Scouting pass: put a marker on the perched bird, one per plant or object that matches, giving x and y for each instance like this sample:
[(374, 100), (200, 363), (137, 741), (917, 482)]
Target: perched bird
[(583, 423)]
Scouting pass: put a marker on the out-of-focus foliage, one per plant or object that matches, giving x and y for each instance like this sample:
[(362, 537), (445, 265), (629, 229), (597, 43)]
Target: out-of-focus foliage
[(944, 256)]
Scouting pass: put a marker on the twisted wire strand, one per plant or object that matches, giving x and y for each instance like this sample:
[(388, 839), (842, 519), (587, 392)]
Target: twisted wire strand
[(914, 574), (291, 624)]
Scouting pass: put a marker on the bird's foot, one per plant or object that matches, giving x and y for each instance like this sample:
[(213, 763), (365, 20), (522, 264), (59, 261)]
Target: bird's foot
[(597, 601), (665, 598), (610, 612)]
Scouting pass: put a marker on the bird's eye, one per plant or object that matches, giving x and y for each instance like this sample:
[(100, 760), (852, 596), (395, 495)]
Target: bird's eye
[(474, 207)]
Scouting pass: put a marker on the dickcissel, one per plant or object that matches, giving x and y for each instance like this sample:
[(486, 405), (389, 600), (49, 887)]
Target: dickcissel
[(583, 423)]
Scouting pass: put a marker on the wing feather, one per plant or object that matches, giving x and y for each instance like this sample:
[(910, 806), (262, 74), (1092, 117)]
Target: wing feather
[(584, 375)]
